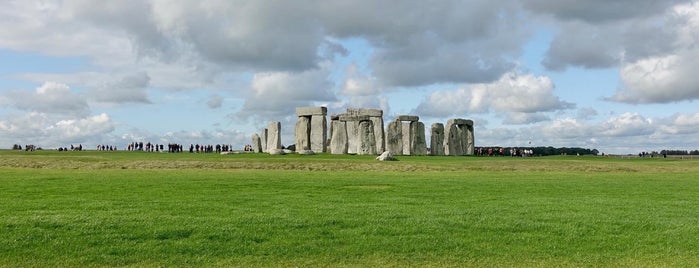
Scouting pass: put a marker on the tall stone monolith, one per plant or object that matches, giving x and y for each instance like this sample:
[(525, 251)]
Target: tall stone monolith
[(437, 139), (302, 133), (338, 138), (418, 143), (394, 137), (256, 143), (274, 139), (367, 139)]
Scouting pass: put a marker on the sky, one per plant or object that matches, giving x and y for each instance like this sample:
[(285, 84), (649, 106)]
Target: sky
[(616, 76)]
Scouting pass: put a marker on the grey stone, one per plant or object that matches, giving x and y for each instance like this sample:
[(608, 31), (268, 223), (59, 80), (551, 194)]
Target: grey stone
[(338, 138), (335, 117), (306, 152), (287, 151), (367, 112), (302, 132), (459, 121), (310, 111), (394, 137), (352, 136), (418, 143), (319, 133), (379, 133), (367, 139), (410, 118), (263, 139), (470, 140), (452, 139), (256, 143), (276, 152), (274, 138), (407, 138), (437, 139), (347, 117), (386, 156)]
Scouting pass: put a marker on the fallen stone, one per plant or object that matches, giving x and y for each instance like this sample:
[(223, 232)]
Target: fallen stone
[(276, 151), (386, 156), (306, 152)]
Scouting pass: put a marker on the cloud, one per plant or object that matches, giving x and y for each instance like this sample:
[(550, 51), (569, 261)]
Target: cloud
[(598, 11), (512, 93), (215, 101), (47, 130), (50, 97), (276, 94), (129, 89)]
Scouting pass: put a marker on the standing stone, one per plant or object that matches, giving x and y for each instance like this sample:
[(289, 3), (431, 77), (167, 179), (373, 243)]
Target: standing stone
[(394, 137), (352, 136), (437, 139), (418, 142), (302, 133), (256, 143), (319, 133), (263, 139), (378, 133), (338, 140), (367, 139), (274, 139), (470, 139), (452, 142), (407, 138)]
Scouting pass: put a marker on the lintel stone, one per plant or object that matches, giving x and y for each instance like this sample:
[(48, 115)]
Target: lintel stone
[(310, 111), (410, 118), (460, 121), (363, 111), (346, 117)]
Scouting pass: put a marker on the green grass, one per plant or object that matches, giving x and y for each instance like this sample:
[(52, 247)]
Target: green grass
[(137, 209)]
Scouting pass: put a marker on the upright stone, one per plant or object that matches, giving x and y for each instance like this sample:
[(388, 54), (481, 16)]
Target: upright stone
[(418, 142), (379, 133), (274, 139), (263, 138), (338, 140), (437, 139), (470, 138), (302, 133), (394, 137), (319, 133), (352, 136), (407, 138), (452, 139), (256, 143), (367, 139)]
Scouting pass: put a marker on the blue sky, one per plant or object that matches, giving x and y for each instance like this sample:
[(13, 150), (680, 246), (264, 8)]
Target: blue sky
[(618, 77)]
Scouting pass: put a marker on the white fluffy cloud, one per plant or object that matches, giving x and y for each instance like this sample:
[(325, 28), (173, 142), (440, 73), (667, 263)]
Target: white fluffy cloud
[(51, 97), (46, 130), (521, 95)]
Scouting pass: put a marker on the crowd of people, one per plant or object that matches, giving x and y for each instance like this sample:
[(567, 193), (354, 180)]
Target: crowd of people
[(501, 151)]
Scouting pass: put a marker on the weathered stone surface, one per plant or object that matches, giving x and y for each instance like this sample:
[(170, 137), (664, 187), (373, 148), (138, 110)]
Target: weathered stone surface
[(338, 140), (386, 156), (274, 138), (276, 152), (409, 118), (302, 133), (256, 143), (460, 121), (418, 143), (407, 138), (306, 152), (287, 151), (263, 139), (347, 117), (352, 136), (437, 139), (335, 116), (452, 139), (367, 139), (319, 133), (367, 112), (394, 137), (470, 140), (379, 133), (309, 111)]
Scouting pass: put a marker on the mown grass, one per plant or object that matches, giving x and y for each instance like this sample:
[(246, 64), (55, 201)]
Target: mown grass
[(136, 209)]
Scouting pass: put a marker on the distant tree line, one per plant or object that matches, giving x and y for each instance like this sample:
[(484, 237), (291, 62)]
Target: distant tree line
[(535, 151), (679, 152)]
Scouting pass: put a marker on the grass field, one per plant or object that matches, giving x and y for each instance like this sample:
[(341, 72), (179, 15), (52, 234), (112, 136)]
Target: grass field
[(92, 209)]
